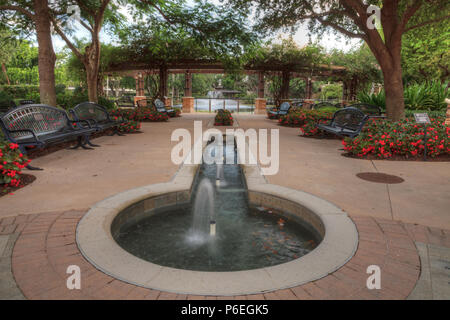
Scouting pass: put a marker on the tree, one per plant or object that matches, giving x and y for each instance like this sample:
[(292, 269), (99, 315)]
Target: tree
[(91, 17), (353, 18), (37, 13)]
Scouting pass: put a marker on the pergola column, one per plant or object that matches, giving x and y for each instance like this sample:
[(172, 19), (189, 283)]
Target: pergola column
[(140, 94), (285, 79), (353, 86), (344, 92), (188, 99), (163, 85), (308, 102), (260, 102)]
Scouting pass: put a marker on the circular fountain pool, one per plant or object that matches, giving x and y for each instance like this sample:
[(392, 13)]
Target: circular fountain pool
[(245, 239), (216, 231)]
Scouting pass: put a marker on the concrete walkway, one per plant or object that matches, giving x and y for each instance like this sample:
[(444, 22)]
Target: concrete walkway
[(76, 179)]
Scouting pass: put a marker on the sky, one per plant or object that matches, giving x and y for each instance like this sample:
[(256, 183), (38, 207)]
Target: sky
[(301, 37)]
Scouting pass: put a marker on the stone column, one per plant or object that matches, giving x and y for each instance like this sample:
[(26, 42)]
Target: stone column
[(260, 102), (188, 99), (188, 104)]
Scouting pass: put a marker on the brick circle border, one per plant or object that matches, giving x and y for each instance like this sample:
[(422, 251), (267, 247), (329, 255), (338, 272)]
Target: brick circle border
[(96, 242), (46, 247)]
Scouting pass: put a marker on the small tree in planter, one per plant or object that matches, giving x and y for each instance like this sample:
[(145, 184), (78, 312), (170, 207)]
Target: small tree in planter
[(223, 118)]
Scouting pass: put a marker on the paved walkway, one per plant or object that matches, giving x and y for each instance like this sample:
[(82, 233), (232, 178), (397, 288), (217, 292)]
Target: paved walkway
[(392, 220)]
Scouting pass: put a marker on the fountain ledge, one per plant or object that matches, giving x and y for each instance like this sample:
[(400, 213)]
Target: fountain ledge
[(95, 239)]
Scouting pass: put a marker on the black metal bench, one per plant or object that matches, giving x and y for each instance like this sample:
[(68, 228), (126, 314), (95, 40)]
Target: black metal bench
[(97, 116), (40, 125), (346, 122), (125, 102), (160, 107), (321, 105), (368, 109), (283, 110)]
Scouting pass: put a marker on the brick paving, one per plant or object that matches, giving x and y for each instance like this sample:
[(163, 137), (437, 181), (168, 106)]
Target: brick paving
[(46, 247)]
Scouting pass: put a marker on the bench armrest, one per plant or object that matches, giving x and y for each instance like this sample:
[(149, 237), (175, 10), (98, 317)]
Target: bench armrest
[(82, 121), (26, 130)]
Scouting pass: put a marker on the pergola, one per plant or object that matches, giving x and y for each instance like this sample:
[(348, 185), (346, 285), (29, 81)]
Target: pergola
[(191, 66)]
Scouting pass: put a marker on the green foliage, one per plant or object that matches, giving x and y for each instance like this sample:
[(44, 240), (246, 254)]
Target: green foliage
[(359, 62), (5, 99), (331, 91), (425, 54), (68, 100), (376, 99), (19, 92), (427, 96)]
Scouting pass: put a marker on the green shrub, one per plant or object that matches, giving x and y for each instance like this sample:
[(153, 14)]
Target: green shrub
[(428, 96), (5, 99), (21, 91), (376, 99)]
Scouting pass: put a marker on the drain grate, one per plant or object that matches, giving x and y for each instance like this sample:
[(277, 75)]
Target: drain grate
[(379, 177)]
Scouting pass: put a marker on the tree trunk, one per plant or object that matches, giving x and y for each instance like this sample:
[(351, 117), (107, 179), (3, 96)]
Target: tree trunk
[(5, 73), (47, 57), (92, 64), (393, 87), (92, 83)]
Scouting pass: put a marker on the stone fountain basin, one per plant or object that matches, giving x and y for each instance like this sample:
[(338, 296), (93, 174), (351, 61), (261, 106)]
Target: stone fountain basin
[(95, 238)]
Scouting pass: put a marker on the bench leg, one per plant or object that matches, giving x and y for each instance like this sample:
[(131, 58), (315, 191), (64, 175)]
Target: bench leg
[(33, 168), (116, 131), (80, 143), (24, 151), (88, 141)]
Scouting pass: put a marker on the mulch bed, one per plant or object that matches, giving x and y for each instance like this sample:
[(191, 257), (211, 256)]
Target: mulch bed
[(441, 158), (25, 179)]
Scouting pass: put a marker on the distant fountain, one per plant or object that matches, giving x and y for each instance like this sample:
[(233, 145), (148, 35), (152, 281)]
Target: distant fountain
[(204, 223)]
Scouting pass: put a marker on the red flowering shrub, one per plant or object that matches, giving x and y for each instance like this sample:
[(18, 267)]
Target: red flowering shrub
[(12, 161), (223, 118), (140, 114), (271, 115), (307, 120), (384, 139), (130, 126)]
